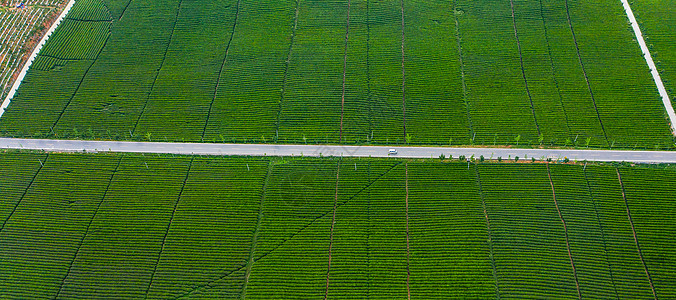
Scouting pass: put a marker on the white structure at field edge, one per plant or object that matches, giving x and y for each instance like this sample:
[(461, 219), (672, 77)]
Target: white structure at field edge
[(34, 54), (651, 65), (630, 14)]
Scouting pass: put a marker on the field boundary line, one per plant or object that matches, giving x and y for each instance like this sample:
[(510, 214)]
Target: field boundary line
[(603, 235), (34, 55), (123, 10), (369, 95), (159, 70), (342, 101), (166, 232), (408, 251), (368, 236), (206, 285), (584, 71), (523, 70), (254, 239), (333, 224), (96, 211), (488, 231), (462, 71), (326, 213), (28, 187), (291, 236), (220, 72), (551, 62), (565, 231), (633, 230), (287, 62), (651, 64), (403, 69), (77, 89)]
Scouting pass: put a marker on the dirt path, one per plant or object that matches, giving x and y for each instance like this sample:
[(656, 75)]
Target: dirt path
[(157, 74), (462, 71), (403, 69), (488, 229), (286, 70), (408, 251), (565, 230), (333, 224), (603, 234), (633, 230), (342, 100), (30, 184), (254, 239), (220, 71), (166, 232), (523, 70), (89, 225), (584, 71)]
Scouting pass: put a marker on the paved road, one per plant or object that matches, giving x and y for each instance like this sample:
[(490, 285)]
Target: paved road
[(651, 64), (325, 150)]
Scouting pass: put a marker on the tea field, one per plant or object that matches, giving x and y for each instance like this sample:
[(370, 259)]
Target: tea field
[(519, 72), (89, 226), (21, 27), (657, 20)]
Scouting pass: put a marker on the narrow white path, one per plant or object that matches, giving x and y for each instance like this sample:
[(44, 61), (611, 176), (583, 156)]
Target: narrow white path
[(651, 65), (334, 150), (34, 54)]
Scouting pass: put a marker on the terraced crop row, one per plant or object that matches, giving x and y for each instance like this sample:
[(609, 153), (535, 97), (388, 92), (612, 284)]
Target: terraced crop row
[(134, 226), (422, 72), (20, 29)]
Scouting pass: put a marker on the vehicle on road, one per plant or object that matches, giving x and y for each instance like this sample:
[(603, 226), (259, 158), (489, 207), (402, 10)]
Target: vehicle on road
[(392, 152)]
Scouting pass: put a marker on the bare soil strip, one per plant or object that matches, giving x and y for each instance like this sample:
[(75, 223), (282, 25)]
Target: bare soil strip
[(523, 71), (220, 71), (166, 232), (408, 252), (96, 211), (488, 229), (42, 164), (584, 71), (157, 74), (342, 100), (565, 230), (254, 240), (633, 230), (603, 235), (18, 78), (286, 69), (403, 69), (462, 71), (333, 224)]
